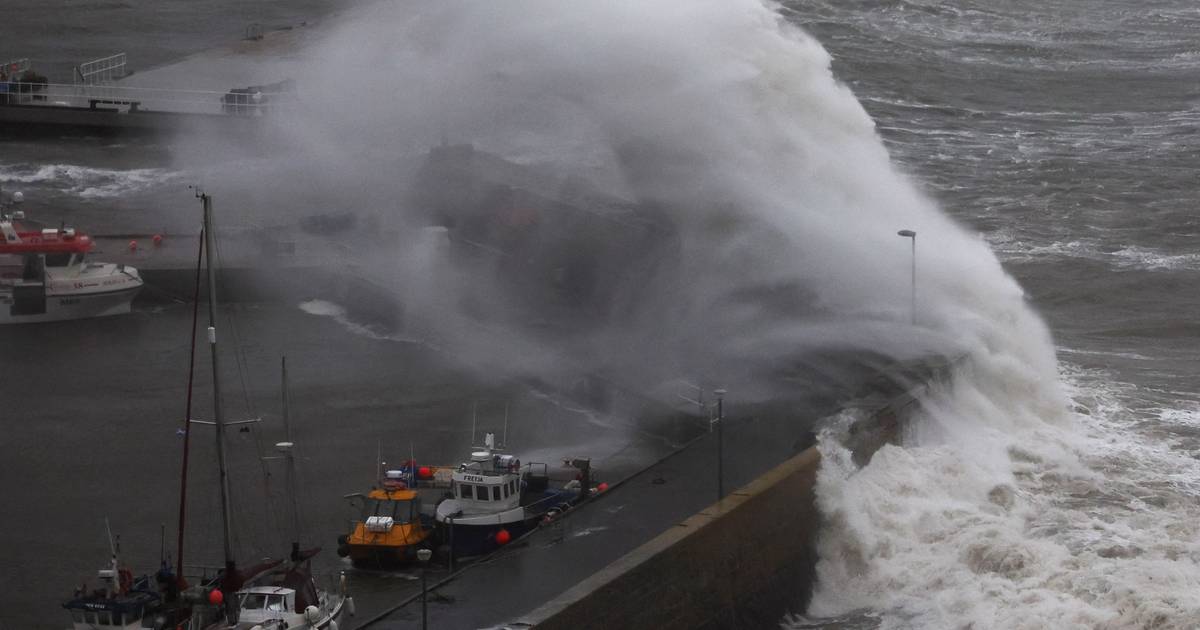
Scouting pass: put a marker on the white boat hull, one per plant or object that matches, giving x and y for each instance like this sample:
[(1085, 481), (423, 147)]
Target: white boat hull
[(73, 305)]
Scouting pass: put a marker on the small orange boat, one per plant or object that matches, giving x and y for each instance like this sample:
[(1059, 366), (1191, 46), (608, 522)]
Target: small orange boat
[(391, 528)]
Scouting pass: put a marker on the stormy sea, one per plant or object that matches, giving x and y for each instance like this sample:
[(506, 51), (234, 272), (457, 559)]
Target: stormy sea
[(1036, 155)]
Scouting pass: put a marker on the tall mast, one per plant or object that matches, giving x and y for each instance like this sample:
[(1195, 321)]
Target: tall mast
[(291, 463), (187, 419), (219, 419)]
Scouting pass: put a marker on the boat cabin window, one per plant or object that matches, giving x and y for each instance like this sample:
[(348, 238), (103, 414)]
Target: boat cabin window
[(34, 269), (467, 491), (495, 493), (506, 490), (263, 601), (58, 260), (400, 510)]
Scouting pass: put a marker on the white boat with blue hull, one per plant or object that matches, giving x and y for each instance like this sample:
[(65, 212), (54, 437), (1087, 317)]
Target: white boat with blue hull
[(494, 499)]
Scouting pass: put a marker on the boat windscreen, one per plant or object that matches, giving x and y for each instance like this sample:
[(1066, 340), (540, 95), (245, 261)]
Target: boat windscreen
[(399, 510)]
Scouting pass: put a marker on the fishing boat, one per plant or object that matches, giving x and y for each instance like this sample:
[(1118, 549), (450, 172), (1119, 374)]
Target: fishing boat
[(493, 499), (391, 526), (122, 601), (46, 275), (274, 594)]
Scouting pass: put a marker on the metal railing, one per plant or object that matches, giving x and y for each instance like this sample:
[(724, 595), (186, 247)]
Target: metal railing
[(102, 70), (239, 102)]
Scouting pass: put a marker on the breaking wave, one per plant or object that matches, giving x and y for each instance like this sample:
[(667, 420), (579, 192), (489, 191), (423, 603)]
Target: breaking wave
[(88, 182), (1087, 524)]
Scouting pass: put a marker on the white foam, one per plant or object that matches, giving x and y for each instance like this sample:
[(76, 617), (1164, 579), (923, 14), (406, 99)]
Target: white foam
[(336, 312), (1082, 524), (88, 182)]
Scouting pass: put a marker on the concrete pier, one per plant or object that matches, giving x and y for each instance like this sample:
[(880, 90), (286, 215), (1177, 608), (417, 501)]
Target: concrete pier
[(658, 551)]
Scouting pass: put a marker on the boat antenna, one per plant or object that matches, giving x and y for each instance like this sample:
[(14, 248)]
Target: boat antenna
[(230, 580), (412, 465), (474, 410), (187, 417), (504, 438)]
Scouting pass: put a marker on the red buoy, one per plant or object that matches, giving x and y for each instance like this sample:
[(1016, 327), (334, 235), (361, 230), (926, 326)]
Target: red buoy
[(602, 487), (215, 597), (424, 472), (133, 246), (157, 240), (502, 537)]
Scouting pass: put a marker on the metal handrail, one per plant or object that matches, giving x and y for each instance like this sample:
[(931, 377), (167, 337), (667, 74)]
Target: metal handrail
[(140, 98), (104, 69)]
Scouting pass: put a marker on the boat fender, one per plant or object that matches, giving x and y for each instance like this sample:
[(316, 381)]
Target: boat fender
[(126, 580), (312, 614), (350, 606), (333, 625)]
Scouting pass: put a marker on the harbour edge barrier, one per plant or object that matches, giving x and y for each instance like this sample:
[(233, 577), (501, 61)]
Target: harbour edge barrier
[(743, 562)]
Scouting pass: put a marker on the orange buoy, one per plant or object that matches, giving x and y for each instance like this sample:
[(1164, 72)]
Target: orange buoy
[(502, 537), (424, 472), (133, 246), (215, 597), (602, 487), (157, 240)]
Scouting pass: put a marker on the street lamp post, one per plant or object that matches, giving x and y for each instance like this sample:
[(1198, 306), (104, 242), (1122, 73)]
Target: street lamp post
[(424, 555), (720, 443), (913, 235)]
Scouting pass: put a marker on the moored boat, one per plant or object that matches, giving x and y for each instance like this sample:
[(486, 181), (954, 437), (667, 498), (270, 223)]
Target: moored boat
[(274, 594), (494, 499), (45, 274), (123, 601), (391, 527)]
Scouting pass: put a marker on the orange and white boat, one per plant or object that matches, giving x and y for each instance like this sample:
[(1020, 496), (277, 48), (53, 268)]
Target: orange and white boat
[(392, 527)]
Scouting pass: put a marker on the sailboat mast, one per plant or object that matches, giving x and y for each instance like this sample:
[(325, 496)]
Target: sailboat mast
[(187, 419), (219, 418), (290, 461)]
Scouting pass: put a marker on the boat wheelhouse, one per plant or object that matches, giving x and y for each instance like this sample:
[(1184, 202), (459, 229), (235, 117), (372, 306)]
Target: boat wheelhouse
[(46, 275)]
